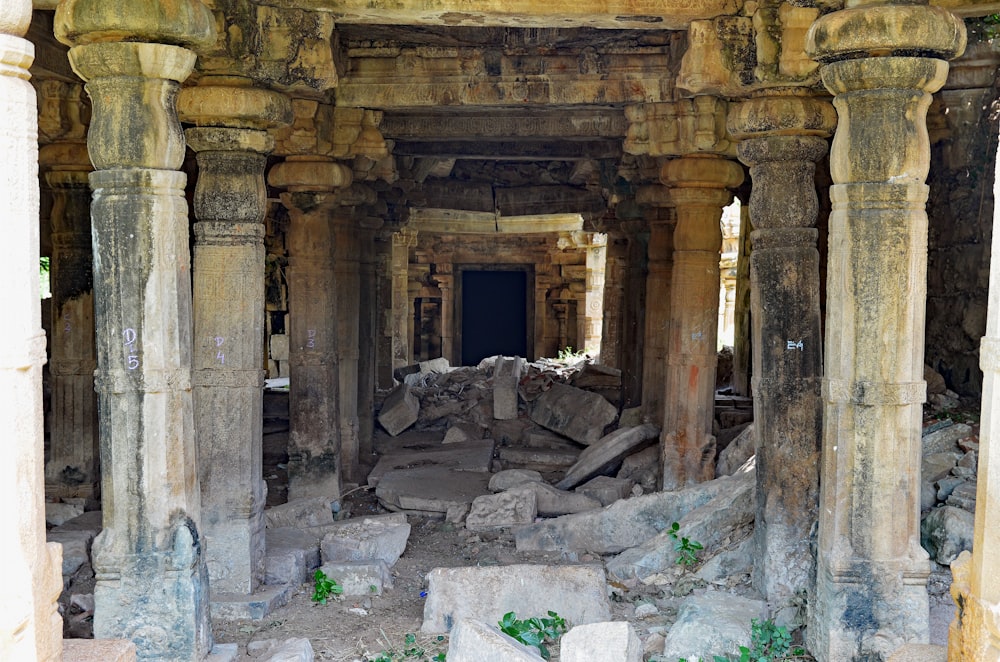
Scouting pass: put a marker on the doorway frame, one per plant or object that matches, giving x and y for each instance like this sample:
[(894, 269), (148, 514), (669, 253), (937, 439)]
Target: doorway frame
[(529, 302)]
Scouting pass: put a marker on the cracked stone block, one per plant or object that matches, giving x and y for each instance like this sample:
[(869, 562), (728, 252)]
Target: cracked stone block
[(577, 593), (460, 432), (607, 454), (299, 513), (430, 489), (713, 623), (496, 511), (506, 376), (508, 478), (275, 650), (553, 502), (601, 642), (399, 411), (574, 413), (606, 489), (291, 555), (946, 532), (366, 540)]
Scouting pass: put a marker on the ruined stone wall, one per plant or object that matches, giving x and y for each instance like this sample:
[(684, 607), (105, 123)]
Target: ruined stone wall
[(960, 209)]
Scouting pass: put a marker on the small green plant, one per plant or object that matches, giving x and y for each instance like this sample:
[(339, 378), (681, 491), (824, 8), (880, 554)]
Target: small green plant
[(534, 631), (411, 651), (687, 549), (567, 354), (324, 587)]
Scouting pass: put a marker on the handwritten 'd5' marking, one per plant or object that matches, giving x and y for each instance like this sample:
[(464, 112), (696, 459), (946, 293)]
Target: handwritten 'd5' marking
[(132, 356)]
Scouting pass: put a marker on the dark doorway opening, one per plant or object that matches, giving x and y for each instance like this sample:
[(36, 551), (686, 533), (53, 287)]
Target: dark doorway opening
[(494, 314)]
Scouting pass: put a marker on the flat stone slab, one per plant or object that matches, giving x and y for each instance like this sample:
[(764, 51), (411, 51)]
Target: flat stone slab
[(536, 437), (538, 458), (467, 456), (607, 453), (553, 502), (300, 513), (98, 650), (431, 489), (574, 413), (577, 593), (606, 489), (623, 524), (366, 540), (508, 478), (473, 641), (92, 520), (257, 605), (360, 577)]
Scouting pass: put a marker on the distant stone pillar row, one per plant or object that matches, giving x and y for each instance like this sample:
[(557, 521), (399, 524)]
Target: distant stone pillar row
[(314, 464), (787, 350), (402, 314), (30, 625), (73, 469), (660, 258), (230, 202), (152, 584), (367, 341), (699, 188), (871, 594)]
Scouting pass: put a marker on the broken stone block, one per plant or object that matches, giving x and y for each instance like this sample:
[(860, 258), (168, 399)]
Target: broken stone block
[(496, 511), (944, 440), (708, 524), (510, 431), (506, 375), (577, 593), (631, 417), (360, 577), (606, 454), (946, 532), (469, 456), (606, 489), (75, 548), (508, 478), (399, 411), (279, 347), (964, 496), (275, 650), (300, 513), (460, 432), (431, 489), (601, 642), (625, 523), (473, 641), (936, 466), (553, 502), (536, 437), (643, 468), (574, 413), (366, 540), (728, 563), (537, 458), (713, 623), (60, 513), (290, 555), (946, 486), (257, 605), (736, 453)]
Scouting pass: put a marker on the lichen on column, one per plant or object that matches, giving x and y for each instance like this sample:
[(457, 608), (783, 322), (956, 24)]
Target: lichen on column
[(882, 62)]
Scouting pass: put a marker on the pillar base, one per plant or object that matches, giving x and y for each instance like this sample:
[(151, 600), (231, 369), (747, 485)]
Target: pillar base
[(866, 610)]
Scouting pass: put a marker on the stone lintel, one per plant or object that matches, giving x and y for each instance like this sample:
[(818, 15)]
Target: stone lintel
[(685, 127), (540, 223), (453, 221), (554, 149), (504, 125), (620, 14), (459, 78)]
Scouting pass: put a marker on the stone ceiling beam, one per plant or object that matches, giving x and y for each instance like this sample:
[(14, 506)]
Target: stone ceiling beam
[(636, 14), (393, 78), (563, 123), (522, 150)]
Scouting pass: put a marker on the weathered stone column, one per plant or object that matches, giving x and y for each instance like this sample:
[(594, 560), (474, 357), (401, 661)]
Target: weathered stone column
[(871, 594), (384, 311), (30, 626), (614, 299), (659, 257), (634, 327), (73, 469), (314, 437), (699, 190), (402, 314), (446, 283), (230, 204), (782, 139), (367, 328), (593, 298), (152, 585)]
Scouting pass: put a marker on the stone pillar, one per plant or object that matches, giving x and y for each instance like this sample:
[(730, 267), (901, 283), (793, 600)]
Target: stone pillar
[(347, 299), (593, 298), (384, 310), (782, 139), (73, 469), (871, 594), (314, 437), (614, 299), (230, 202), (699, 190), (659, 258), (30, 626), (446, 283), (402, 317), (742, 347), (152, 584), (367, 329), (634, 326)]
